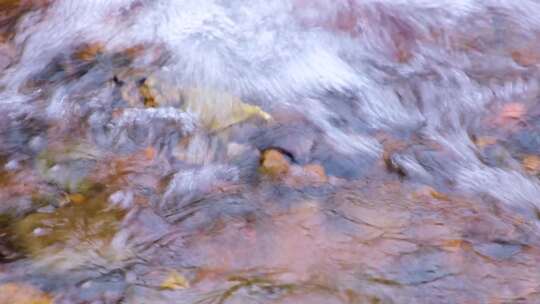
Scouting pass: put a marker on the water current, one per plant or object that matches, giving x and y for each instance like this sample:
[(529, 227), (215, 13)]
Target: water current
[(283, 151)]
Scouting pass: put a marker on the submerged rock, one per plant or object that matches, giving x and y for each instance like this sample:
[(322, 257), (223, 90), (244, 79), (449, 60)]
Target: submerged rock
[(20, 293)]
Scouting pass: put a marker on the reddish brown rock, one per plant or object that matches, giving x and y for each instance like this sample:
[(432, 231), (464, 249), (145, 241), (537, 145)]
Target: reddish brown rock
[(526, 57)]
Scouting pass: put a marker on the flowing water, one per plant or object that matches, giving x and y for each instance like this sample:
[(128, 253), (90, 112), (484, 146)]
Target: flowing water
[(284, 151)]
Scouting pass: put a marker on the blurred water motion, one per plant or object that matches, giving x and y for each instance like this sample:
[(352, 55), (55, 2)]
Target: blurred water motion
[(287, 151)]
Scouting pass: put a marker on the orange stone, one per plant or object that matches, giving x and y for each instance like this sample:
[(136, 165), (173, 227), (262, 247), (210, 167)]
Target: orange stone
[(438, 195), (274, 163), (426, 192), (531, 163), (150, 153), (454, 245), (77, 198)]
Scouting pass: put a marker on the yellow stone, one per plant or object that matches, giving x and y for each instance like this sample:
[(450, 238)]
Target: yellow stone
[(219, 110), (274, 163), (174, 281)]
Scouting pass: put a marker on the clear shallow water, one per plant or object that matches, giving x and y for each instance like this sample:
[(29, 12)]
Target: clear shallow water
[(283, 152)]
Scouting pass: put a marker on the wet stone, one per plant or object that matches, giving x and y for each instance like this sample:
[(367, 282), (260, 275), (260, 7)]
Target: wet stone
[(298, 139), (343, 166), (18, 207), (527, 141), (497, 251), (531, 164), (20, 293), (422, 267), (316, 173), (497, 156), (274, 163), (93, 292)]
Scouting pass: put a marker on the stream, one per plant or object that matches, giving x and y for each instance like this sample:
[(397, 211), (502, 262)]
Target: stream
[(284, 151)]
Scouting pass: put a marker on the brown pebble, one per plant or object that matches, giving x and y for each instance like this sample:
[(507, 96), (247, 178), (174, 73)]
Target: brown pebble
[(150, 153), (439, 196), (485, 141), (316, 173), (426, 192), (274, 163), (149, 98), (77, 198), (531, 164), (526, 57), (88, 52)]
